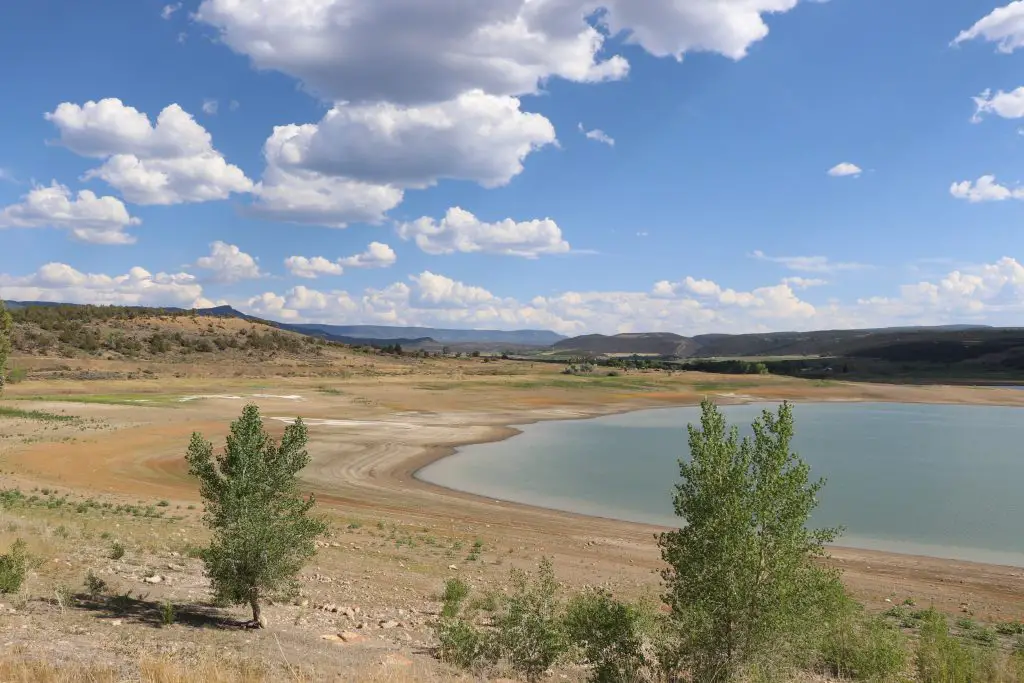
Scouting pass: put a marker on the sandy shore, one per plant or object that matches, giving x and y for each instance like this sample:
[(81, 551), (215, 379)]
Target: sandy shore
[(368, 438)]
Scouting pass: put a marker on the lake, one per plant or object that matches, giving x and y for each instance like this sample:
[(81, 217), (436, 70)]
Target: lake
[(938, 480)]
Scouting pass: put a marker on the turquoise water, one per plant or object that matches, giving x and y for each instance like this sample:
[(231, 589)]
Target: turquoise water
[(944, 481)]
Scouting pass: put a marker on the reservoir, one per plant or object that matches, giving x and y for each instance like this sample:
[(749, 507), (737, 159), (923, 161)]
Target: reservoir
[(938, 480)]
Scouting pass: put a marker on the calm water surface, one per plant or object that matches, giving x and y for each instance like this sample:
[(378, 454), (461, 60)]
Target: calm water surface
[(946, 481)]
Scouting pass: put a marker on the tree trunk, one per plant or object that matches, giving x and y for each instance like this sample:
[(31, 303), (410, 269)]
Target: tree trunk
[(254, 602)]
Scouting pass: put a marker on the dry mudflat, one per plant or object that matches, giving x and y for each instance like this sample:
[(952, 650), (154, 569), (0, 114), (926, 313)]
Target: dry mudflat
[(112, 452)]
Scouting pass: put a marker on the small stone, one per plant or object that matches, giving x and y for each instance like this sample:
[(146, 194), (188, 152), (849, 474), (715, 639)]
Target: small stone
[(350, 637), (453, 567), (262, 621), (396, 660), (115, 622), (156, 578), (389, 624)]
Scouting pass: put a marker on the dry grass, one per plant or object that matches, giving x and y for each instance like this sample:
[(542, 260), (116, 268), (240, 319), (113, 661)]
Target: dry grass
[(17, 669)]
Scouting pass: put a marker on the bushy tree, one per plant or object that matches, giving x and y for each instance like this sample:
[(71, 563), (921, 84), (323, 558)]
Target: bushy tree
[(609, 636), (530, 631), (262, 528), (6, 325), (742, 577)]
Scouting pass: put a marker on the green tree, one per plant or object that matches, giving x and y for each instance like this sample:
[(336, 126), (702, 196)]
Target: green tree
[(262, 529), (6, 325), (742, 578)]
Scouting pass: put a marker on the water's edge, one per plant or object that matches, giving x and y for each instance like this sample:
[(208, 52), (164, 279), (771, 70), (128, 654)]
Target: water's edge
[(576, 507)]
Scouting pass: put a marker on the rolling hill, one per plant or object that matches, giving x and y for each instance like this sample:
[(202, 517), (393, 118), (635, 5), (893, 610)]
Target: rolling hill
[(370, 335)]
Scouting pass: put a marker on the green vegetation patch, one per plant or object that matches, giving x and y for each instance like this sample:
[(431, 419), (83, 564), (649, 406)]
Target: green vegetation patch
[(17, 413), (104, 399)]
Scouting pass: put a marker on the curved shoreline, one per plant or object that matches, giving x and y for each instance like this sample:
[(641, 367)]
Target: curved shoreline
[(364, 466), (407, 472)]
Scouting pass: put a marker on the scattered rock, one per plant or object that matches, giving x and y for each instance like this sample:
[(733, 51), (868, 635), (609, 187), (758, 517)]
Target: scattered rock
[(115, 622), (389, 624), (350, 637), (156, 578), (453, 567), (393, 659), (262, 621)]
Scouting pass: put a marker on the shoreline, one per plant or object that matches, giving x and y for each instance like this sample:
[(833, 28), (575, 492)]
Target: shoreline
[(407, 473), (368, 441)]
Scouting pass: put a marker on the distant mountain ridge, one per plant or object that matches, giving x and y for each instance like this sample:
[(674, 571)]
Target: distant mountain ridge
[(368, 334), (441, 335), (658, 343), (816, 343)]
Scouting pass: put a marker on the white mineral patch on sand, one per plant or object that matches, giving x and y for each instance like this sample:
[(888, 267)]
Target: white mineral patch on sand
[(185, 399), (289, 397), (314, 422)]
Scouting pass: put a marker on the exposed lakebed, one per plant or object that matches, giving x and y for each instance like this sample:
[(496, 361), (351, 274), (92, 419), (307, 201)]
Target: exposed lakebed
[(939, 480)]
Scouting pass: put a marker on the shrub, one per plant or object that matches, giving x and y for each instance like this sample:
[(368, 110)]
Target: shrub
[(167, 613), (461, 643), (609, 635), (116, 550), (13, 567), (942, 658), (857, 646), (94, 585), (530, 632), (455, 592)]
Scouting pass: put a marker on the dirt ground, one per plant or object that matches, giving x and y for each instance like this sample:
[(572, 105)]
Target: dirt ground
[(394, 539)]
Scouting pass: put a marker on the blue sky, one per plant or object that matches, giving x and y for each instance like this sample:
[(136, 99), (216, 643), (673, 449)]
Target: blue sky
[(382, 162)]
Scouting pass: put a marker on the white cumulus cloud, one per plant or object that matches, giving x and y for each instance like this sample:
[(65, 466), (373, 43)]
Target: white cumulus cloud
[(984, 189), (377, 255), (138, 287), (461, 231), (1009, 105), (171, 162), (597, 135), (421, 92), (1003, 26), (477, 137), (293, 194), (992, 293), (411, 53), (311, 268), (228, 263), (87, 217), (844, 169)]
